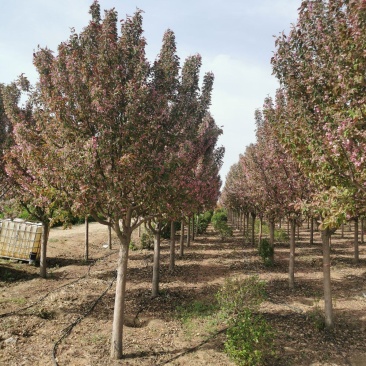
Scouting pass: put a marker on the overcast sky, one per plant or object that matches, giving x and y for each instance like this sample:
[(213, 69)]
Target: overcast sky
[(234, 37)]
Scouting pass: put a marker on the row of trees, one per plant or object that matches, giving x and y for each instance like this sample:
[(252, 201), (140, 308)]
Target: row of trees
[(106, 133), (311, 142)]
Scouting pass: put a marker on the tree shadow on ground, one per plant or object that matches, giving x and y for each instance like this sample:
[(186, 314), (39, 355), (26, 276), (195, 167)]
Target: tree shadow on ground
[(9, 273)]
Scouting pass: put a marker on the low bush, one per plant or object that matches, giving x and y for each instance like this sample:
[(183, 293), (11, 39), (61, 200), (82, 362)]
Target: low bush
[(219, 222), (235, 296), (202, 221), (249, 338), (147, 240), (265, 251)]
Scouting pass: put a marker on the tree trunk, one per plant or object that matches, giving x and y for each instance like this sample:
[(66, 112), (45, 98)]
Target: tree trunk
[(260, 231), (271, 237), (110, 236), (43, 259), (189, 232), (355, 242), (172, 247), (248, 225), (253, 227), (119, 302), (196, 226), (362, 230), (328, 307), (244, 229), (312, 231), (193, 227), (86, 256), (342, 230), (156, 265), (291, 267), (181, 241)]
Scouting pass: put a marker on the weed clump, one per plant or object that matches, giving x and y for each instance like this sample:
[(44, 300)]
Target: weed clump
[(219, 222), (249, 338)]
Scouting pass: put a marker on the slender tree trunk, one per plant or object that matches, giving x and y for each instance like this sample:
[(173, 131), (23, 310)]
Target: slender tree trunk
[(86, 256), (288, 227), (260, 231), (181, 239), (298, 232), (172, 246), (342, 230), (355, 242), (110, 236), (197, 222), (253, 229), (189, 232), (119, 302), (193, 227), (362, 230), (328, 306), (43, 258), (244, 228), (156, 265), (248, 224), (312, 231), (271, 237), (291, 267)]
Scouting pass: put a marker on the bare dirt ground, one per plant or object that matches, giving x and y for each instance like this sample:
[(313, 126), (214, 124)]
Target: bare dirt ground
[(37, 313)]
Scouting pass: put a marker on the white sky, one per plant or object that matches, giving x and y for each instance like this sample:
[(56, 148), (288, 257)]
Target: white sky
[(234, 37)]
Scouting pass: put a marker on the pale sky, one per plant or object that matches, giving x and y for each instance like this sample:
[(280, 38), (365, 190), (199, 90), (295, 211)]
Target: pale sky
[(234, 38)]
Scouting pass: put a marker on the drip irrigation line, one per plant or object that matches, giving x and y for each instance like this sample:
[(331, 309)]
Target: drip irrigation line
[(69, 328), (57, 289)]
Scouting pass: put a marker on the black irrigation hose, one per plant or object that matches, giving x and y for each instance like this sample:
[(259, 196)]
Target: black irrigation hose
[(70, 327), (57, 289)]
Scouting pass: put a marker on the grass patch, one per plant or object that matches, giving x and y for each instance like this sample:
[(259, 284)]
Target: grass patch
[(198, 317), (196, 309), (14, 300)]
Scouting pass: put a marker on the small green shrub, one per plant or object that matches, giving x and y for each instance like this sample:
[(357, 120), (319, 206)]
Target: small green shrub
[(147, 240), (316, 317), (280, 235), (235, 296), (202, 221), (219, 215), (132, 246), (219, 222), (249, 340), (265, 251)]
